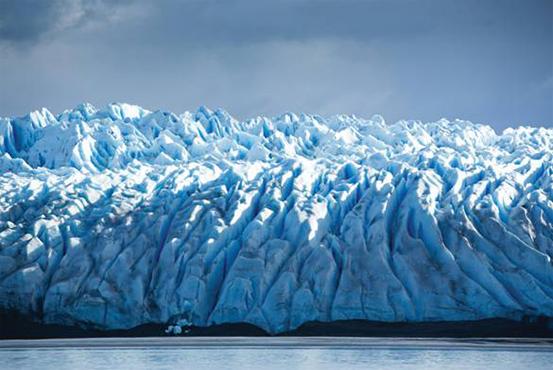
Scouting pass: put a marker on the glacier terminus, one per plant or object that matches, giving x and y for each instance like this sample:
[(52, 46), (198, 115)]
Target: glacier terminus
[(116, 217)]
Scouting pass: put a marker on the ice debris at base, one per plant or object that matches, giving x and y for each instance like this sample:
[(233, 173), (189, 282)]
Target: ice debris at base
[(177, 328), (119, 217)]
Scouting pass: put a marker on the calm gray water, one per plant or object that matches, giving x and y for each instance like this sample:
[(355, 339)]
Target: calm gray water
[(270, 353)]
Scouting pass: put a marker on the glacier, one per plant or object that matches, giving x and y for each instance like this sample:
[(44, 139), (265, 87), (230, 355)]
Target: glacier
[(116, 217)]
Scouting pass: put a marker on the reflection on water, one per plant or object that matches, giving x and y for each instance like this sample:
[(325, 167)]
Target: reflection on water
[(269, 358)]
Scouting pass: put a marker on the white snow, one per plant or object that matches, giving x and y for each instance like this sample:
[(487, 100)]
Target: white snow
[(121, 216)]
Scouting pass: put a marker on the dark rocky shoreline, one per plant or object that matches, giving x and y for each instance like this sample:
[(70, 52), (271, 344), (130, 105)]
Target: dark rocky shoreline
[(16, 326)]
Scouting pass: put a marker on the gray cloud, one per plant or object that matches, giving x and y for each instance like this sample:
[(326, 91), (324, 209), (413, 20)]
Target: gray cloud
[(25, 22), (205, 23), (212, 23), (487, 61)]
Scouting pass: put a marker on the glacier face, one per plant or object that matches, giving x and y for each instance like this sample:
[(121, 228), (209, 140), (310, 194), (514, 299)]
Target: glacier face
[(118, 217)]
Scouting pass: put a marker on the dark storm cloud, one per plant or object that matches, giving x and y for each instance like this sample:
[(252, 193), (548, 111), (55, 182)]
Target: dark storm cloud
[(24, 22), (18, 26), (487, 61)]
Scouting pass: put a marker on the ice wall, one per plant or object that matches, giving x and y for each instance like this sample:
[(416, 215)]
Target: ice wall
[(122, 216)]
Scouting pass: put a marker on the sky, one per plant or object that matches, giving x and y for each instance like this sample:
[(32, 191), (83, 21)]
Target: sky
[(486, 61)]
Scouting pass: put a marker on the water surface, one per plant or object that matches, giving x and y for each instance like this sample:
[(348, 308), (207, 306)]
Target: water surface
[(274, 353)]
